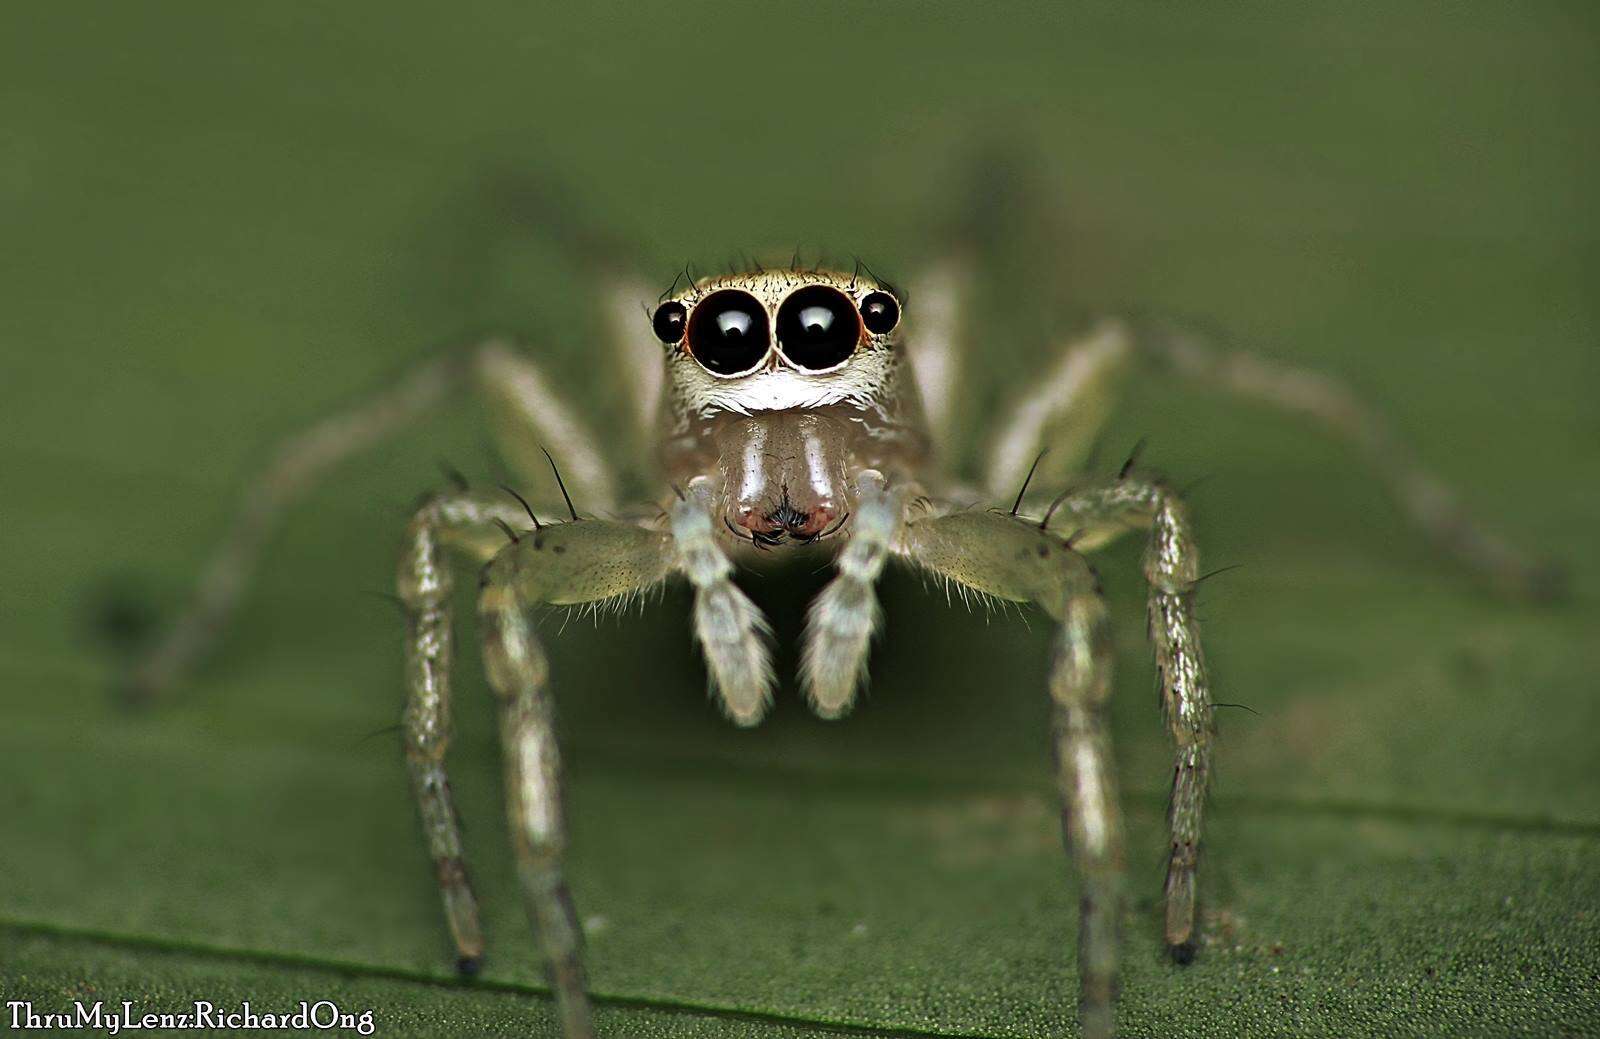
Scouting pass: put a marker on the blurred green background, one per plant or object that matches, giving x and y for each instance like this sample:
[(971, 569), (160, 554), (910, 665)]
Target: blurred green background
[(223, 221)]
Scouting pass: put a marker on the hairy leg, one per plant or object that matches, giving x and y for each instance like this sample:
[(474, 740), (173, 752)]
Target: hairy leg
[(1061, 414), (729, 627), (638, 358), (529, 208), (1001, 556), (531, 417), (933, 347), (307, 458), (297, 466), (561, 564), (1171, 568), (840, 623), (424, 584), (1429, 502)]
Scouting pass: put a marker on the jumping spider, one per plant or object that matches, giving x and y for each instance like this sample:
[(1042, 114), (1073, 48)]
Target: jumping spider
[(793, 406)]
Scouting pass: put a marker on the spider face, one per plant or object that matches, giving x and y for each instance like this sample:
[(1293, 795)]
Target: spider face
[(786, 381), (767, 341)]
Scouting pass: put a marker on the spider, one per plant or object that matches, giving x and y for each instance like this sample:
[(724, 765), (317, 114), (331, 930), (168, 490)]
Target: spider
[(790, 407)]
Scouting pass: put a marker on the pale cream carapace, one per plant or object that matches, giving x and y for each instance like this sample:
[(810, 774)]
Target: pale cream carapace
[(839, 442)]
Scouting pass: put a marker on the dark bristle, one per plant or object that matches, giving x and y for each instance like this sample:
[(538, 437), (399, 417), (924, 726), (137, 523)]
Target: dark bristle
[(387, 730), (1133, 459), (671, 289), (884, 283), (524, 503), (1044, 521), (560, 483), (1027, 480)]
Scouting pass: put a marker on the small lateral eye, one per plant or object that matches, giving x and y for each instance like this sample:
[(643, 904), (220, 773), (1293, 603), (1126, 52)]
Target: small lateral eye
[(879, 312), (669, 321), (818, 328), (728, 332)]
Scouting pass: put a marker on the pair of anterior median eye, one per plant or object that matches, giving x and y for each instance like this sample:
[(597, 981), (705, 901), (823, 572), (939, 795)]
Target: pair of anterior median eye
[(819, 327)]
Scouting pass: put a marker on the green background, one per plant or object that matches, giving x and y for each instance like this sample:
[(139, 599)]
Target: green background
[(221, 221)]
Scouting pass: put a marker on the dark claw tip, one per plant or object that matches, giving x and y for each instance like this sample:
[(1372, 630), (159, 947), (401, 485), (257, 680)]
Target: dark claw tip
[(468, 966), (1182, 953)]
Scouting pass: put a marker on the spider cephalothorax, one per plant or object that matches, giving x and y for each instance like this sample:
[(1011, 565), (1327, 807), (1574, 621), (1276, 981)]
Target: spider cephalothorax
[(802, 405)]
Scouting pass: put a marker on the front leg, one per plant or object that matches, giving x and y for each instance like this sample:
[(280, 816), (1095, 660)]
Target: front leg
[(423, 584), (1001, 556), (1172, 569), (565, 564)]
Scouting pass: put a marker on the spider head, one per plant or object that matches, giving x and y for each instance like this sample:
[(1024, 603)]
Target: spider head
[(779, 340), (786, 383)]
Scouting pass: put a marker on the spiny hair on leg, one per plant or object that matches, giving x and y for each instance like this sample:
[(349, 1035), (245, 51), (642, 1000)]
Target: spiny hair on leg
[(968, 594), (613, 606)]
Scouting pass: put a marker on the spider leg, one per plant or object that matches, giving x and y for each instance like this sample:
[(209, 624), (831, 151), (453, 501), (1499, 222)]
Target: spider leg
[(840, 623), (1430, 503), (529, 207), (1008, 558), (424, 584), (530, 415), (299, 464), (933, 347), (637, 359), (1062, 412), (559, 564), (729, 627), (1171, 569)]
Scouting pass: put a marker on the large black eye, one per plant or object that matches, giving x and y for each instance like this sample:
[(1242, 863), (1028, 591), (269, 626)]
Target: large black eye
[(880, 313), (728, 332), (668, 322), (818, 327)]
